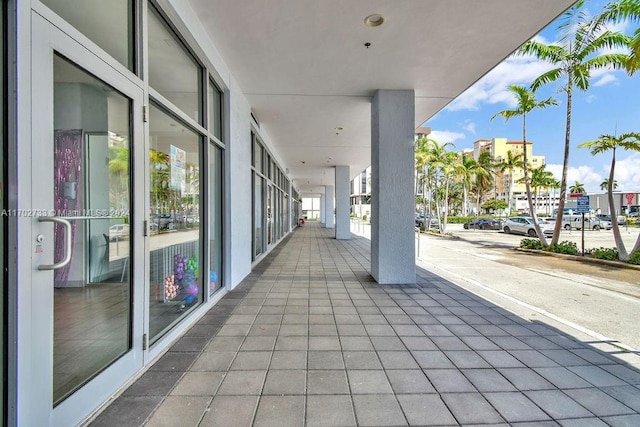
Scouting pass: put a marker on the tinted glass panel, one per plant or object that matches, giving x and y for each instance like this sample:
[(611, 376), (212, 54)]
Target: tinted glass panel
[(92, 294), (172, 70), (175, 243), (215, 218), (109, 24), (215, 111)]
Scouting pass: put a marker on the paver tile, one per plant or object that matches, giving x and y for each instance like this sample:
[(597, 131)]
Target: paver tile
[(598, 402), (288, 382), (516, 407), (327, 382), (230, 411), (330, 411), (425, 410), (471, 408), (558, 405), (368, 382), (325, 360), (409, 381), (378, 410), (280, 411)]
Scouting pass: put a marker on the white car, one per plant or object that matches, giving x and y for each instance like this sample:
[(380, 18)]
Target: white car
[(525, 225)]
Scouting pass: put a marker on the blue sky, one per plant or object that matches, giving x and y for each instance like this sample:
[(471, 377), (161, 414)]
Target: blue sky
[(611, 105)]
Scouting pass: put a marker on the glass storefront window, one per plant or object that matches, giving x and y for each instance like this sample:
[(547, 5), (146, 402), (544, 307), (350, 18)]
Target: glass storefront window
[(215, 218), (109, 24), (215, 110), (258, 209), (3, 219), (173, 71), (175, 241)]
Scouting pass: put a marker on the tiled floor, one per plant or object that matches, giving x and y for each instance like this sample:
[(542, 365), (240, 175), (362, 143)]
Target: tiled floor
[(310, 339)]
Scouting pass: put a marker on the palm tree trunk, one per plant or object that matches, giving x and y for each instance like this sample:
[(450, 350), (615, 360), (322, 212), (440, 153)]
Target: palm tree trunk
[(527, 183), (565, 164), (623, 255)]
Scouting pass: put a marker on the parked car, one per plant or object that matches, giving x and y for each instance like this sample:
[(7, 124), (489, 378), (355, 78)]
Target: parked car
[(421, 220), (525, 225), (619, 218), (483, 224), (118, 232), (590, 223)]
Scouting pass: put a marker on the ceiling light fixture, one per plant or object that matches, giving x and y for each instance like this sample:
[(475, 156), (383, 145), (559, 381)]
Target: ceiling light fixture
[(374, 20)]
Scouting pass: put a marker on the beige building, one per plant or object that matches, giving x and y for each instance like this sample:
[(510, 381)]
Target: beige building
[(508, 184)]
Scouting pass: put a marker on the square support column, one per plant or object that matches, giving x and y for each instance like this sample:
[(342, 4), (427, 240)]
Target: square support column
[(392, 198), (329, 222), (343, 222), (322, 216)]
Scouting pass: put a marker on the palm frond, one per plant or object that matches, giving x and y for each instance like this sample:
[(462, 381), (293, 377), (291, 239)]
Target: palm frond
[(606, 40), (546, 78)]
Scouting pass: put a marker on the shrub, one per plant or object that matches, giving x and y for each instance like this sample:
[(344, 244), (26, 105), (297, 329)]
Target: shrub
[(530, 244), (604, 253), (364, 218), (566, 247), (634, 258)]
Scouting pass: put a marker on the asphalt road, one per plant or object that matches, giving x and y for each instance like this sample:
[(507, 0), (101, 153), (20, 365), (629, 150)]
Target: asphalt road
[(592, 302)]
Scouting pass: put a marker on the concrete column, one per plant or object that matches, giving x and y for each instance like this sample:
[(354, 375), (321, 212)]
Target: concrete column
[(392, 199), (322, 216), (328, 206), (343, 222)]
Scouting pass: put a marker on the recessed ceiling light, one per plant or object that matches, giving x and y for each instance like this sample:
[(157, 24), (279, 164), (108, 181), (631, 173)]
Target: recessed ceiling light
[(374, 20)]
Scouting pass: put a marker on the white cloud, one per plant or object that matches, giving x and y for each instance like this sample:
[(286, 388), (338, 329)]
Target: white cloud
[(522, 70), (492, 88), (590, 99), (627, 174), (583, 174), (606, 79), (469, 126), (444, 136)]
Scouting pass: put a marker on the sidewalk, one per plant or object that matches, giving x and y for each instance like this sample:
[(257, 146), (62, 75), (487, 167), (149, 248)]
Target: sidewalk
[(309, 338)]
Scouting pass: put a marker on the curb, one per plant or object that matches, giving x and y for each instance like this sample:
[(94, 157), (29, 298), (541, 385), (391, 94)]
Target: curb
[(584, 259)]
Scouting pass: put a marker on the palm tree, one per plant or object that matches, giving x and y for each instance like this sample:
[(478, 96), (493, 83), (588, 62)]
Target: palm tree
[(578, 53), (619, 11), (512, 162), (468, 170), (627, 141), (540, 178), (577, 188), (526, 102), (443, 164), (422, 171), (483, 176), (604, 185)]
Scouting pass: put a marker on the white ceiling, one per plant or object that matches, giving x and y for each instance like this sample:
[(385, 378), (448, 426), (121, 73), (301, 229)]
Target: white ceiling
[(305, 70)]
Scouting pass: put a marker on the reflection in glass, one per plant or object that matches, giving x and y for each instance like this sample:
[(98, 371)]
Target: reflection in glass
[(215, 111), (92, 296), (175, 244), (172, 70), (109, 24), (215, 218)]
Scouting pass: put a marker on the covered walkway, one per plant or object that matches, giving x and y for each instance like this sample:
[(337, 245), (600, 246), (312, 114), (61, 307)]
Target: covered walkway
[(309, 338)]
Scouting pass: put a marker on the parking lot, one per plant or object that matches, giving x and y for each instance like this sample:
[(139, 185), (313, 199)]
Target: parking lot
[(592, 239)]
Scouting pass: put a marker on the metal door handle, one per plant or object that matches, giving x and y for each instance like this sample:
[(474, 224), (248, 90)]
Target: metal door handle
[(67, 255)]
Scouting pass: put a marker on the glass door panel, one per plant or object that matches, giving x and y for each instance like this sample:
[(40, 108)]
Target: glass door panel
[(91, 166)]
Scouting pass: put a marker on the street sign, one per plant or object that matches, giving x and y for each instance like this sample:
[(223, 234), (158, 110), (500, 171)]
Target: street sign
[(583, 204)]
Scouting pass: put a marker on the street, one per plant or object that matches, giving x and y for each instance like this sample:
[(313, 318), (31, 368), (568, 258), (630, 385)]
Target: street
[(597, 301)]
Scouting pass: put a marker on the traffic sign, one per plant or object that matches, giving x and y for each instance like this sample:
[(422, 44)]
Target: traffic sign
[(583, 204)]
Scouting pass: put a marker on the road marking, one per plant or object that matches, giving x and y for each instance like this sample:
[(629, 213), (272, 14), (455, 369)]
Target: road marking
[(552, 316)]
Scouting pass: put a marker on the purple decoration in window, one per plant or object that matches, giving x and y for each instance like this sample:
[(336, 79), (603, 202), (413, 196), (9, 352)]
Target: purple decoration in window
[(67, 158)]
